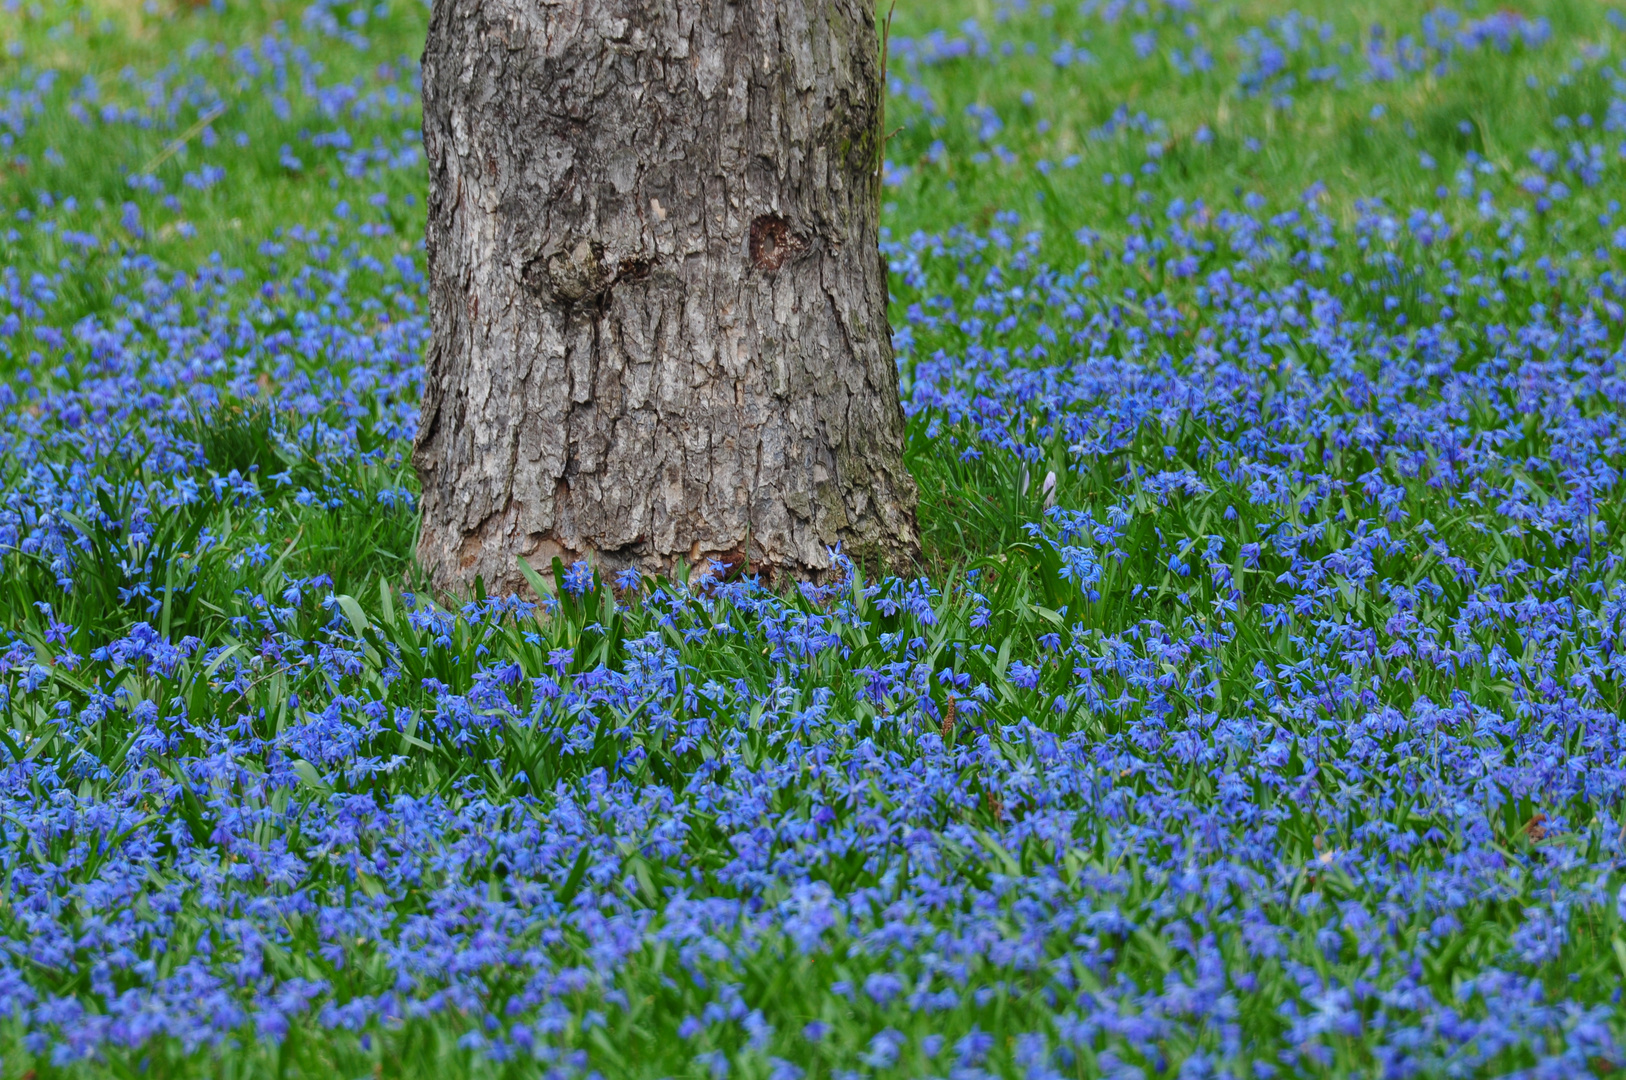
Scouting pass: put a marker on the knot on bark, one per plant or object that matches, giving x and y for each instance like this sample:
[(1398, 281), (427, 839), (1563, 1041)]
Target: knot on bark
[(570, 275), (772, 242), (581, 272)]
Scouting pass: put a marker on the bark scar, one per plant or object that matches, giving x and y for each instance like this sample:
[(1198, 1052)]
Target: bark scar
[(773, 242), (636, 269)]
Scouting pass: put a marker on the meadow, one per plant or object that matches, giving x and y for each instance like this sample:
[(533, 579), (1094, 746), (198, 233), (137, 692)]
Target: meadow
[(1257, 711)]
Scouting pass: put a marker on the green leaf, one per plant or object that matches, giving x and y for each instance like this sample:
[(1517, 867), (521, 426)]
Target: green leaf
[(352, 611), (573, 883), (533, 578), (386, 602), (312, 777), (214, 665)]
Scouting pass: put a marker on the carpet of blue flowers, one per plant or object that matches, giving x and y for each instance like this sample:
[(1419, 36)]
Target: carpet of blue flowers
[(1258, 712)]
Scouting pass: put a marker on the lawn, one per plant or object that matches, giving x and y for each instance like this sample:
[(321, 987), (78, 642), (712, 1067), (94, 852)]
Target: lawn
[(1257, 711)]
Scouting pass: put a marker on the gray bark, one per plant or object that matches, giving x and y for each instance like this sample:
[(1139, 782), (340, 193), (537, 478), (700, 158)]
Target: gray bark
[(658, 310)]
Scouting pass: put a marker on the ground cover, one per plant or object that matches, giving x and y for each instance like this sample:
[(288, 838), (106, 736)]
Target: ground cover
[(1259, 713)]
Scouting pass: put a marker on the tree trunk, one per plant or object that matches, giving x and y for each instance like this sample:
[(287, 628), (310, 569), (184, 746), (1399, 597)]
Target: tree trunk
[(659, 314)]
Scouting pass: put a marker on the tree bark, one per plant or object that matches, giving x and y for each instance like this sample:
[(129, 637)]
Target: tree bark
[(658, 309)]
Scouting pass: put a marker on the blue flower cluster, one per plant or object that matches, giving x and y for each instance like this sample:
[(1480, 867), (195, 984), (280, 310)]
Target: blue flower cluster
[(1262, 718)]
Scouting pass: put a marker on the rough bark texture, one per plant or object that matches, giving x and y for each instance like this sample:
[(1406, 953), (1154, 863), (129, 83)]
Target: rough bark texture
[(659, 314)]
